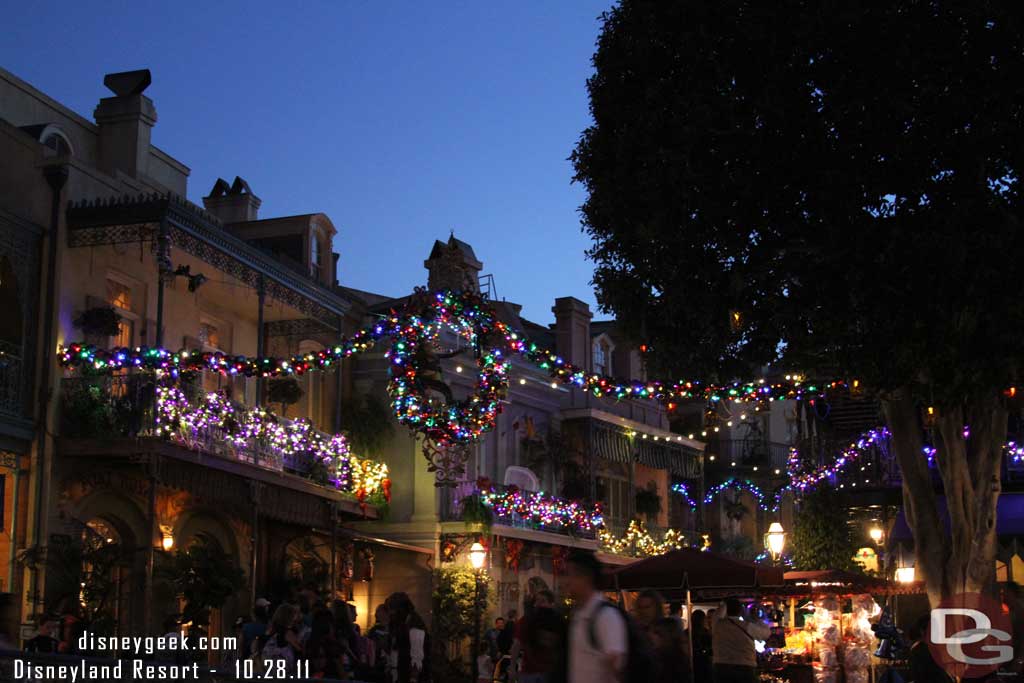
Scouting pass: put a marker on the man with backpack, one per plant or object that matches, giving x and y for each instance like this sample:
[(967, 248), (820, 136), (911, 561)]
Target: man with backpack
[(733, 652), (598, 630)]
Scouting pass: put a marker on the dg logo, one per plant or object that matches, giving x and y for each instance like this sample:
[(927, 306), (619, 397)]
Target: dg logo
[(969, 635)]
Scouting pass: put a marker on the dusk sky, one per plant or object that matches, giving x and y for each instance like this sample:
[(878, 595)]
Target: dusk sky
[(399, 120)]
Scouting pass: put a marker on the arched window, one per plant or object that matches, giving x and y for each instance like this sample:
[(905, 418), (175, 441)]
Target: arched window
[(55, 141)]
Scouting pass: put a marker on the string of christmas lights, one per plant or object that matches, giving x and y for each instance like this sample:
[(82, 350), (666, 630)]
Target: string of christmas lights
[(542, 509), (734, 484), (682, 489), (244, 429), (638, 541), (414, 370), (849, 455)]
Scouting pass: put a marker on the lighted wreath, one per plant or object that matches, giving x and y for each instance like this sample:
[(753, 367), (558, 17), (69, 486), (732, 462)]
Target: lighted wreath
[(419, 396)]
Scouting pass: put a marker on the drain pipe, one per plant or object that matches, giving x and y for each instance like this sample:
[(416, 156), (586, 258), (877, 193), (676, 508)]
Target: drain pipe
[(56, 176)]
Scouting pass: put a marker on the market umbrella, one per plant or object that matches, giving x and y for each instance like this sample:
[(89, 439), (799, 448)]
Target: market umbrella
[(692, 569)]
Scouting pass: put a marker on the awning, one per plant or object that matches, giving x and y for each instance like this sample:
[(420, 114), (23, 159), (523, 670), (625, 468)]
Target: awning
[(689, 568), (835, 581), (1009, 519), (609, 442)]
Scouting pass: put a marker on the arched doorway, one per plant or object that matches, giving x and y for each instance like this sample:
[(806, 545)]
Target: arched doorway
[(105, 594)]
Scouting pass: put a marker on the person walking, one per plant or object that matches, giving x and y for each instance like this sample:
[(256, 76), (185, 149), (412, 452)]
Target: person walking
[(649, 608), (540, 640), (282, 640), (409, 646), (257, 627), (598, 633), (701, 647), (671, 659), (491, 637), (734, 656)]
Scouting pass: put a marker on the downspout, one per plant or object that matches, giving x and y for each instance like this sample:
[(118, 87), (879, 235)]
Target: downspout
[(56, 176)]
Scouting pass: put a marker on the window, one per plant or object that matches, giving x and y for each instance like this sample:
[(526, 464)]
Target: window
[(119, 295), (209, 335), (315, 267), (57, 143), (601, 365), (616, 501)]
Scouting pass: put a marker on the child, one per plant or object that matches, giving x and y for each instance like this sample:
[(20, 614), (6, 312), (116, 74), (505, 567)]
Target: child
[(484, 665)]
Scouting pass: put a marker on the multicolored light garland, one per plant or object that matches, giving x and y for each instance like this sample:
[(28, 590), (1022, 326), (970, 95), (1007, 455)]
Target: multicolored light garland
[(733, 484), (682, 489), (413, 328), (542, 509), (849, 455), (179, 420), (638, 541)]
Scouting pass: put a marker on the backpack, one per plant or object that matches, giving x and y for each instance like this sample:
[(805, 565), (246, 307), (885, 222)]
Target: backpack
[(640, 659)]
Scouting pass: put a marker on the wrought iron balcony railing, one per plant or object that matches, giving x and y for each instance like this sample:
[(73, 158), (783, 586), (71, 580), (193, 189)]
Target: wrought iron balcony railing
[(13, 397), (510, 507), (136, 405)]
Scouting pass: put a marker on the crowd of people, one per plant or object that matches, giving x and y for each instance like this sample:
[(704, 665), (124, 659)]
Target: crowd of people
[(595, 641), (601, 643), (324, 637)]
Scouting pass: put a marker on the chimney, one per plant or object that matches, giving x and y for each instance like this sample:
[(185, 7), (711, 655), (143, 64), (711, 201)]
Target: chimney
[(233, 203), (125, 123), (572, 331), (453, 265)]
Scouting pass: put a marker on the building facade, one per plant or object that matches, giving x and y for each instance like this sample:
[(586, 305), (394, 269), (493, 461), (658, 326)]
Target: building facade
[(549, 438), (99, 245)]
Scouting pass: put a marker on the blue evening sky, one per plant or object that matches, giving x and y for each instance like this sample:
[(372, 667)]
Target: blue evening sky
[(399, 120)]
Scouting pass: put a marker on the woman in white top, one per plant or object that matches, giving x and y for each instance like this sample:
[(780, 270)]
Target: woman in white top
[(407, 640)]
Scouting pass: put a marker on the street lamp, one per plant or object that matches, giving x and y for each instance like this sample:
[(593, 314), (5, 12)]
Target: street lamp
[(477, 559), (775, 540), (904, 568), (477, 555)]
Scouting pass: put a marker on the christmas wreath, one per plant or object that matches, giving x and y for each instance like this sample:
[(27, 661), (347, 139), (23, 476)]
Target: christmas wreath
[(415, 366)]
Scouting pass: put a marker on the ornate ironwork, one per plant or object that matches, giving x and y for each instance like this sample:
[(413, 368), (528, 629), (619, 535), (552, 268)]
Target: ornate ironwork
[(302, 327), (448, 463), (19, 249), (137, 219)]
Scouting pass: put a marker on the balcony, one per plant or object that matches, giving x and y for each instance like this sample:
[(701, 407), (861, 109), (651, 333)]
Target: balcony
[(13, 381), (511, 508), (137, 406), (751, 453)]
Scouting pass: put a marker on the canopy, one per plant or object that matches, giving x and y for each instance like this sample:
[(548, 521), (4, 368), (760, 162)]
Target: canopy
[(834, 581), (689, 568)]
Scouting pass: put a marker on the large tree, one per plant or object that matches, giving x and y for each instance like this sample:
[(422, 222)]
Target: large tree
[(829, 186)]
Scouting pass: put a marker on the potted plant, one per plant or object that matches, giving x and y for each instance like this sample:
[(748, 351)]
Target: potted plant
[(648, 502), (98, 321), (285, 392)]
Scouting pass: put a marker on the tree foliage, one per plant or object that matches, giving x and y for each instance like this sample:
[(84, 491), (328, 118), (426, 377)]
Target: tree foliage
[(203, 575), (825, 187), (821, 537), (456, 602)]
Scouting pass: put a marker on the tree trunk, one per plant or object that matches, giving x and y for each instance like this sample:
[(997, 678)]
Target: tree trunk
[(960, 559)]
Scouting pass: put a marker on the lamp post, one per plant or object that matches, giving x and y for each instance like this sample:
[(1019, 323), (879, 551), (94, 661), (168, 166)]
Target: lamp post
[(775, 540), (477, 559)]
